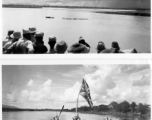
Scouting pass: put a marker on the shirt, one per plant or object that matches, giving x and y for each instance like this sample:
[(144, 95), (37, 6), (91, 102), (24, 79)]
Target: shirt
[(7, 45), (6, 40), (22, 46)]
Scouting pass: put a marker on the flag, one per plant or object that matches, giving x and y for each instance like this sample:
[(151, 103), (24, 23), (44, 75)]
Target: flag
[(85, 92)]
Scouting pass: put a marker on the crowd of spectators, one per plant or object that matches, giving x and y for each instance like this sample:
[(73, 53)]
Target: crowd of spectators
[(31, 42)]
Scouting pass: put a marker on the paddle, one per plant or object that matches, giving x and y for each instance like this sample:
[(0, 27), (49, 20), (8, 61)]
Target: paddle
[(61, 110)]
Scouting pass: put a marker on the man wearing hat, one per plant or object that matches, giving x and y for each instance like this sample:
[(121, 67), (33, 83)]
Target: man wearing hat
[(39, 46), (33, 31), (82, 41), (61, 47), (115, 45), (114, 48), (100, 46), (23, 45), (78, 48), (8, 38), (52, 42), (15, 37)]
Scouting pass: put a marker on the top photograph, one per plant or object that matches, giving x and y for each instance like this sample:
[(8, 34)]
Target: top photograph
[(76, 26)]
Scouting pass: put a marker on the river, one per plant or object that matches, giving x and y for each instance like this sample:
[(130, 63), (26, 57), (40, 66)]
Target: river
[(128, 31), (47, 115)]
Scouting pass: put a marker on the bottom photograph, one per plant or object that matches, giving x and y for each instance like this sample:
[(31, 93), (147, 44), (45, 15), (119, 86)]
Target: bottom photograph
[(76, 92)]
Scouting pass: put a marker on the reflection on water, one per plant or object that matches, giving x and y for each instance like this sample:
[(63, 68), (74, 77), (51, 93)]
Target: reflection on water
[(45, 115), (129, 31)]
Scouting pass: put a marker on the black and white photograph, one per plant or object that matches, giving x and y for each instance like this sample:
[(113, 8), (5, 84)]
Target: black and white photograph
[(76, 26), (76, 92)]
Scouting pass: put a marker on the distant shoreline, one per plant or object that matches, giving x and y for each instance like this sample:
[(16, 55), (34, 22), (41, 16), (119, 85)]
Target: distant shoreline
[(133, 12), (59, 6)]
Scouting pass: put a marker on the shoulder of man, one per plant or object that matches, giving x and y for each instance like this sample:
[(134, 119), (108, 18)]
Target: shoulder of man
[(106, 51)]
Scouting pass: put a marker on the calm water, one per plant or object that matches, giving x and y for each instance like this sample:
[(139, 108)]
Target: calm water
[(48, 115), (129, 31)]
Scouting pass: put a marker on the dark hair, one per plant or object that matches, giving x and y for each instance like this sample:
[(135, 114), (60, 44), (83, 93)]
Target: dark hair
[(27, 36), (39, 39), (52, 43), (101, 47), (10, 32), (84, 43), (115, 45)]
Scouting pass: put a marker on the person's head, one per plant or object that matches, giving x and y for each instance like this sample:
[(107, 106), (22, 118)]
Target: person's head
[(77, 48), (52, 41), (100, 46), (82, 41), (27, 34), (9, 33), (16, 35), (39, 37), (32, 30), (115, 45), (61, 47)]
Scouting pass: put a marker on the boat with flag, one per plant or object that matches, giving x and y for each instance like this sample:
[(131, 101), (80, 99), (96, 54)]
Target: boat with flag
[(84, 92)]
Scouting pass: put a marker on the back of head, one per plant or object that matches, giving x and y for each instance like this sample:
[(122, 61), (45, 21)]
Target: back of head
[(39, 37), (78, 48), (115, 45), (10, 32), (52, 41), (100, 46), (82, 41), (16, 35), (27, 34), (61, 47)]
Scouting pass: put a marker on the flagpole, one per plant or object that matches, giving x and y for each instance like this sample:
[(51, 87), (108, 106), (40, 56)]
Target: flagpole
[(77, 105), (78, 101)]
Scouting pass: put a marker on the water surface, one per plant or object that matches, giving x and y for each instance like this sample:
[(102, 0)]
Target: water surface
[(47, 115)]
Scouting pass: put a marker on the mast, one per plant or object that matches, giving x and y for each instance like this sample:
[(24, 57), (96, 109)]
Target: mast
[(77, 105), (78, 100)]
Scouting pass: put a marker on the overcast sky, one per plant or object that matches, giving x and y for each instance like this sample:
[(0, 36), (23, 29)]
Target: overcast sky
[(52, 86), (99, 3)]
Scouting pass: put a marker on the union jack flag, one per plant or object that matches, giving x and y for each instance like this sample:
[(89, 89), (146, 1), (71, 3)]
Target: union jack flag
[(85, 92)]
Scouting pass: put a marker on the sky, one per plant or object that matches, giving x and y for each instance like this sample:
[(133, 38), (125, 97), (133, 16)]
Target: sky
[(52, 86), (97, 3)]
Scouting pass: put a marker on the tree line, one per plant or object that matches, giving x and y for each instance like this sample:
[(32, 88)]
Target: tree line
[(123, 108)]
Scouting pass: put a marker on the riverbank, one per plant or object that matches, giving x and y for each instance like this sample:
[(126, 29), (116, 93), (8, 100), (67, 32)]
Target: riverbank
[(117, 115), (134, 13)]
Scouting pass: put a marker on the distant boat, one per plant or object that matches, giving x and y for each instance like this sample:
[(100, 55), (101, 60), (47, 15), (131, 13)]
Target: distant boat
[(75, 18), (50, 17)]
